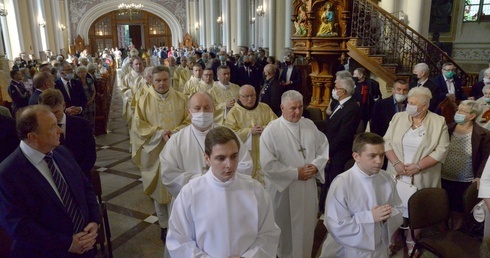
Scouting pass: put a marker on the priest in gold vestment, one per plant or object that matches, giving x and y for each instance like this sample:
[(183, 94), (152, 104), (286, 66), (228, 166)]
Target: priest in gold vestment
[(129, 85), (182, 74), (159, 113), (192, 85), (248, 118), (224, 94)]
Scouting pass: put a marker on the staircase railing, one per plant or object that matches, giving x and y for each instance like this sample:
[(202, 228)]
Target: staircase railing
[(397, 42)]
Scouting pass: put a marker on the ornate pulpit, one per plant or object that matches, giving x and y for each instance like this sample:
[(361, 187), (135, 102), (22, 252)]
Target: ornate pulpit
[(320, 36)]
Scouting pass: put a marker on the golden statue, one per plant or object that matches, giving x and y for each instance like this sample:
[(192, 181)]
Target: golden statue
[(300, 23), (328, 25)]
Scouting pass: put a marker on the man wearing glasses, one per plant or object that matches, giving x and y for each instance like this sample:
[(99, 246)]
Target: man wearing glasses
[(72, 90)]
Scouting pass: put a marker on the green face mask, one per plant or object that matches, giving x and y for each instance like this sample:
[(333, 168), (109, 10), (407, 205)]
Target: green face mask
[(449, 74)]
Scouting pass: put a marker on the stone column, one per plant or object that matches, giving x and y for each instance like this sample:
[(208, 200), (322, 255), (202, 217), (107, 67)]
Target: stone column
[(212, 22), (287, 23), (35, 28), (270, 19), (202, 23), (226, 17), (196, 19), (242, 23), (71, 38), (56, 20), (415, 15)]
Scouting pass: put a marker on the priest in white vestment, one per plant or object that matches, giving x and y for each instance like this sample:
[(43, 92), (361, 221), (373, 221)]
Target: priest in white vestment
[(129, 86), (182, 158), (192, 85), (224, 93), (292, 151), (248, 119), (160, 112), (362, 210), (223, 213)]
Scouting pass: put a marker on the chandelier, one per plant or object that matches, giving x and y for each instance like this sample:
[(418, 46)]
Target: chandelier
[(129, 9)]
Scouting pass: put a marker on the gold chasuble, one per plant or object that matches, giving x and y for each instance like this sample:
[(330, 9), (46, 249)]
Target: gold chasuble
[(193, 85), (129, 86), (221, 96), (241, 120), (181, 76), (154, 114)]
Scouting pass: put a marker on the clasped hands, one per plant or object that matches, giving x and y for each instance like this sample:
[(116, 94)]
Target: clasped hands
[(256, 129), (381, 213), (73, 110), (84, 241), (406, 169), (307, 172)]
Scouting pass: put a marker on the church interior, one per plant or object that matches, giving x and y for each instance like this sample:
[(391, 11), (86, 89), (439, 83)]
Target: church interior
[(387, 38)]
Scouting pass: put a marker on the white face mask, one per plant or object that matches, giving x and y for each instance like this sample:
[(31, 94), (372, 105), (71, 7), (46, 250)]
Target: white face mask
[(486, 81), (335, 95), (202, 119), (400, 97), (412, 110)]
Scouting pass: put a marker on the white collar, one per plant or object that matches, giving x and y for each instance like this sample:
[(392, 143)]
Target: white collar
[(341, 102), (33, 155)]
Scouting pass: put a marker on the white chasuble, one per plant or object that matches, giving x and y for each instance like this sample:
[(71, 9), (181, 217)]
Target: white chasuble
[(182, 159), (154, 115), (218, 219), (349, 218), (295, 201)]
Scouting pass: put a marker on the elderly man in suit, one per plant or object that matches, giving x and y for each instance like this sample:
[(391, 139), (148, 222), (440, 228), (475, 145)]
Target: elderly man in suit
[(290, 77), (340, 131), (48, 206), (42, 81), (421, 73), (72, 90), (77, 132)]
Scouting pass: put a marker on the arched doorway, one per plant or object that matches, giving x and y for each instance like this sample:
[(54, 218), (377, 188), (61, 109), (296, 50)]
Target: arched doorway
[(144, 30)]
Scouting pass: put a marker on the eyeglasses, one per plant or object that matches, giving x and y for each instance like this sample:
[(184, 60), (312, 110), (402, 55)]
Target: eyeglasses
[(248, 96)]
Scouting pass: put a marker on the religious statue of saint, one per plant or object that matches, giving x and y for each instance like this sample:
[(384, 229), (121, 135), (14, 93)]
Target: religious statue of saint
[(300, 23), (327, 18)]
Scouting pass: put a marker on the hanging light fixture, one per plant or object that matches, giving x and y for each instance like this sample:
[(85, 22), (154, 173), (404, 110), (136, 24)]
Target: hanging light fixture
[(129, 9)]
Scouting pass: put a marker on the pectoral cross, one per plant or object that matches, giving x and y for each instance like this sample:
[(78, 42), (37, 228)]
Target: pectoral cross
[(302, 150)]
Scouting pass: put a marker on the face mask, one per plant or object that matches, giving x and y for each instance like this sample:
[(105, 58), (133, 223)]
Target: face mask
[(412, 110), (70, 76), (222, 58), (355, 79), (449, 74), (487, 100), (335, 95), (486, 81), (459, 118), (202, 119), (400, 97)]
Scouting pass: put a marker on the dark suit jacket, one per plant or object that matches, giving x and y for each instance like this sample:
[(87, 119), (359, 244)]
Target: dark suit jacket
[(8, 137), (233, 75), (33, 100), (295, 78), (383, 112), (340, 131), (480, 147), (80, 141), (373, 93), (77, 96), (434, 89), (270, 94), (33, 215), (476, 90), (441, 83), (253, 79)]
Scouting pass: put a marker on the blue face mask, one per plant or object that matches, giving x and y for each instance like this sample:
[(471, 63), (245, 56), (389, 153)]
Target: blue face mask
[(222, 58), (487, 100), (449, 74), (459, 118)]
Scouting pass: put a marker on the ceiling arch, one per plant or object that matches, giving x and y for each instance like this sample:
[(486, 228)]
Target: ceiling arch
[(99, 10)]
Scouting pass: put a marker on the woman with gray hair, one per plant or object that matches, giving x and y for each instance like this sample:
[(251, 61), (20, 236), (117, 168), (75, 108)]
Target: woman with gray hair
[(89, 90), (484, 102), (476, 90), (467, 155), (416, 145)]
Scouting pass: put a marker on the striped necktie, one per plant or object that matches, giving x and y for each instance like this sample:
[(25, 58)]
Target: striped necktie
[(71, 207)]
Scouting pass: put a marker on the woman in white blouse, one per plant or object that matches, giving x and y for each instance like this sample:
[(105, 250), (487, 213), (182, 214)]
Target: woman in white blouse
[(416, 144)]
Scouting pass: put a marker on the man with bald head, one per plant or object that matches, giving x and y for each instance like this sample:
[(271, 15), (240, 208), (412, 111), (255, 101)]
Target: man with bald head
[(41, 81), (248, 119), (182, 158)]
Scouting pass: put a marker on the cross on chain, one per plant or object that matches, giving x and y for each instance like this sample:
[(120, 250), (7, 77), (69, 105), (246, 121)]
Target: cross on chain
[(302, 150)]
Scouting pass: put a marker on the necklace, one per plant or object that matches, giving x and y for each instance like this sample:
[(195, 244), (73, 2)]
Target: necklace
[(301, 148), (414, 126)]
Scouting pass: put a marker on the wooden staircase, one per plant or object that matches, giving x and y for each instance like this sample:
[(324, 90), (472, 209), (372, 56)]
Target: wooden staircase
[(389, 48)]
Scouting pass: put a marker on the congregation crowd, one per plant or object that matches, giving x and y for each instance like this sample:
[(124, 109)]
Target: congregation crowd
[(230, 158)]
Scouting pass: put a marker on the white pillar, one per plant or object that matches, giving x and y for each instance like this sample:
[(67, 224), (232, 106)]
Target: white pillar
[(202, 23), (287, 23), (196, 19), (71, 39), (226, 24), (414, 13), (271, 20), (6, 37), (187, 14), (35, 28), (265, 24), (242, 23), (56, 20), (389, 6), (13, 24), (212, 19)]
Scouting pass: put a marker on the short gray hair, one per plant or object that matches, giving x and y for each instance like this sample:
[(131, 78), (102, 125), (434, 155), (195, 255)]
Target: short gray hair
[(91, 66), (422, 67), (486, 72), (421, 93), (81, 69), (343, 74), (347, 83), (474, 106), (291, 95), (485, 88)]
